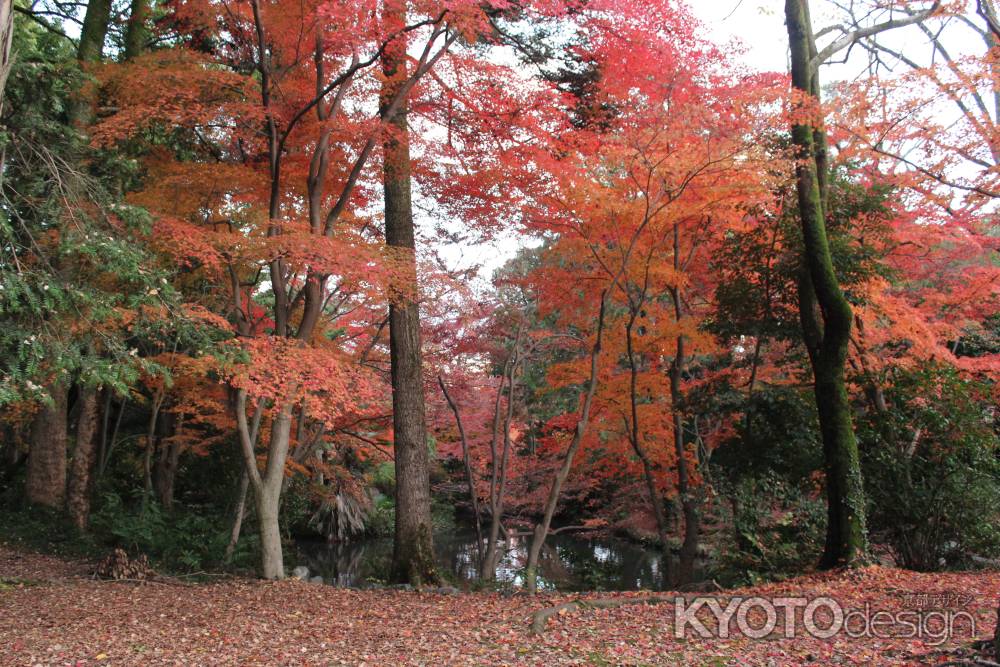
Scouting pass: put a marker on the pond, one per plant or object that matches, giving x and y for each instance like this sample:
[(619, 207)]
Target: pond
[(569, 562)]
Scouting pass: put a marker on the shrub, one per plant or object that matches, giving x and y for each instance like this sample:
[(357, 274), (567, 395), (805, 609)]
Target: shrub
[(932, 472), (778, 531), (187, 540)]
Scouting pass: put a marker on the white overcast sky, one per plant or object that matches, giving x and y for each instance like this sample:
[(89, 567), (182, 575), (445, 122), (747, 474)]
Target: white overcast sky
[(758, 24)]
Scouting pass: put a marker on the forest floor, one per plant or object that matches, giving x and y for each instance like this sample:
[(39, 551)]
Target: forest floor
[(53, 612)]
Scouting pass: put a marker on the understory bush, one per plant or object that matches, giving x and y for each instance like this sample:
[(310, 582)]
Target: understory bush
[(778, 530), (189, 539), (932, 472)]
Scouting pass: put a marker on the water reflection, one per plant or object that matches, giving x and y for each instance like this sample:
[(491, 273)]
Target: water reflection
[(568, 562)]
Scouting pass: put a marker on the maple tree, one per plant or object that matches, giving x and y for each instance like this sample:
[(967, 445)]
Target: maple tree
[(627, 183)]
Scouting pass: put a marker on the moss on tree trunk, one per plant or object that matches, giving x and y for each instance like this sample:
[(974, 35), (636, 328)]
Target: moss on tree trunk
[(827, 335)]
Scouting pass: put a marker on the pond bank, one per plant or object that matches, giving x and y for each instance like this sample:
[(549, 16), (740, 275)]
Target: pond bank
[(570, 562)]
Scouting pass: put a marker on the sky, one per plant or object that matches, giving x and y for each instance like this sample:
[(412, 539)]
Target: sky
[(758, 24)]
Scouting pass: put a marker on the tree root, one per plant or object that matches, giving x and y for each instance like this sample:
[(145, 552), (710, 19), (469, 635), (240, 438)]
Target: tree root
[(541, 617)]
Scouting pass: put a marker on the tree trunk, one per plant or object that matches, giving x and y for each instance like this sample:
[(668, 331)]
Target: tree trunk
[(266, 487), (541, 530), (6, 36), (238, 515), (152, 431), (498, 465), (268, 497), (165, 468), (165, 474), (827, 336), (46, 477), (635, 434), (413, 553), (78, 493), (272, 565), (11, 446), (94, 30), (136, 32), (689, 503), (110, 439), (469, 475)]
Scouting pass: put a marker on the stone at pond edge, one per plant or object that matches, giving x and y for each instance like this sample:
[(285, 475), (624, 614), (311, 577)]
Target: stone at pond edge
[(316, 580), (300, 572)]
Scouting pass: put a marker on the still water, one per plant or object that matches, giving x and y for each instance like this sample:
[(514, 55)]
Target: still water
[(569, 562)]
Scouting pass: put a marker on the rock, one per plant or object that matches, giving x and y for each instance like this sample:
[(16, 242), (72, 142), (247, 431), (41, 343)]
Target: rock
[(447, 590), (316, 580), (985, 563), (301, 572)]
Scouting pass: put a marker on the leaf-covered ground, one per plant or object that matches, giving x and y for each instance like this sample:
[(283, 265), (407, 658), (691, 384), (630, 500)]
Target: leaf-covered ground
[(53, 613)]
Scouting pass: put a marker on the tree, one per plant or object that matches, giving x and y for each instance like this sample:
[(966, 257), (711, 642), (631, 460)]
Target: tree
[(647, 167), (825, 313), (137, 32), (313, 262), (6, 37), (78, 491), (413, 550), (827, 340), (79, 289), (94, 30), (45, 483), (933, 124)]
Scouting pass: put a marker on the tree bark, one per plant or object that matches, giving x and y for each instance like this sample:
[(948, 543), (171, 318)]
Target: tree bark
[(238, 515), (136, 32), (469, 476), (413, 552), (689, 503), (268, 498), (46, 477), (6, 37), (827, 335), (82, 465), (167, 462), (152, 429), (266, 487), (94, 31)]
